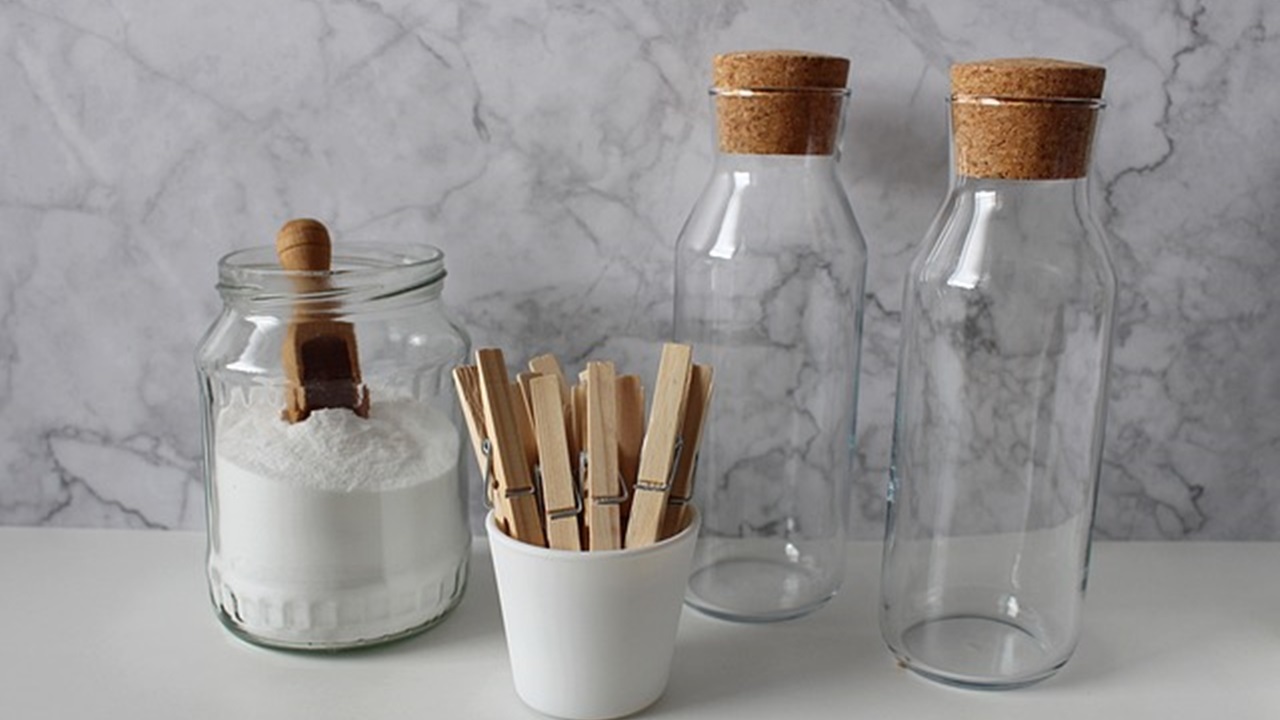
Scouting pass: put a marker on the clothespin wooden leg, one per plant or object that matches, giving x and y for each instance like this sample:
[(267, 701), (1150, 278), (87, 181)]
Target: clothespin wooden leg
[(630, 435), (562, 501), (657, 457), (604, 493), (695, 417), (466, 379), (515, 491)]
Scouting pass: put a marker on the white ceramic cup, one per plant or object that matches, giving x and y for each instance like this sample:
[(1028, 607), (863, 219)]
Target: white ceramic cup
[(591, 634)]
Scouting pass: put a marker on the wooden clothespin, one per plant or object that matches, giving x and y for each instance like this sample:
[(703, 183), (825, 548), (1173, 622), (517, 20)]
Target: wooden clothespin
[(578, 425), (695, 417), (525, 381), (524, 424), (561, 499), (321, 365), (515, 493), (658, 456), (604, 494), (547, 364), (630, 434), (466, 378), (528, 437)]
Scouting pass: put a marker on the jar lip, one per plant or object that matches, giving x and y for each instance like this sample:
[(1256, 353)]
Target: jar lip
[(995, 100), (361, 266)]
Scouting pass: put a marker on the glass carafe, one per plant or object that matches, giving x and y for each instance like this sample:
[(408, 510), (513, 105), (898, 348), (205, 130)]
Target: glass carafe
[(770, 269), (1002, 383)]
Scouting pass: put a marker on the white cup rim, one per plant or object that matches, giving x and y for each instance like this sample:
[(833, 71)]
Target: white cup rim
[(496, 536)]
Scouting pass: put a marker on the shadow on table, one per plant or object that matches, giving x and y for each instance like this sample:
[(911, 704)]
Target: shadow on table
[(475, 620), (727, 663)]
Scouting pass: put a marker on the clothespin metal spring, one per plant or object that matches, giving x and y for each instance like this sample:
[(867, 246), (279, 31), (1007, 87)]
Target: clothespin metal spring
[(491, 481), (618, 499)]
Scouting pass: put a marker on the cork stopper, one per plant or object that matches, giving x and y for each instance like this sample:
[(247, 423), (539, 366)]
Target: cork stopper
[(779, 102), (1024, 118)]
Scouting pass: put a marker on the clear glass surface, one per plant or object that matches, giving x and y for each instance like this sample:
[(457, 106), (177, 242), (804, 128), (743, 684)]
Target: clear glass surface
[(1002, 384), (323, 565), (770, 269)]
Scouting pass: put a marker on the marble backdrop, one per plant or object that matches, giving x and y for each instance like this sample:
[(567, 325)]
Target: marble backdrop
[(552, 149)]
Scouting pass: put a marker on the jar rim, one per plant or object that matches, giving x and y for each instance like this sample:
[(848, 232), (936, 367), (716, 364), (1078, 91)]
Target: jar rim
[(381, 267)]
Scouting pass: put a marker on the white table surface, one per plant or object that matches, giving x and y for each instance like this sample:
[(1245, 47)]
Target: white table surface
[(117, 623)]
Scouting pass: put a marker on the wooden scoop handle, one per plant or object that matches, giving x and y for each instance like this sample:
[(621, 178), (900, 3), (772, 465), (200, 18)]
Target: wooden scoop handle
[(303, 244)]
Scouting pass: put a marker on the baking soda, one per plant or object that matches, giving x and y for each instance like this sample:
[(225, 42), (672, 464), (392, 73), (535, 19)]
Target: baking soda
[(337, 530)]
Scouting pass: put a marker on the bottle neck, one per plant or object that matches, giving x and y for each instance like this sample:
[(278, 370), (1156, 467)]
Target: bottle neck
[(775, 165)]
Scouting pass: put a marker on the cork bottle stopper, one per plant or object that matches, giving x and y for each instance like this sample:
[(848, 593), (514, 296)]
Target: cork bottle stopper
[(1024, 118), (779, 102)]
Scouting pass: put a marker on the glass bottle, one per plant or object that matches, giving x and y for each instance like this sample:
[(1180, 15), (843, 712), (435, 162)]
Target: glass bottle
[(1002, 384), (770, 269), (337, 530)]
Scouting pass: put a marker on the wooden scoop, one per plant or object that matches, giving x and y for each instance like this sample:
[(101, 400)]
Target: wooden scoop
[(321, 365)]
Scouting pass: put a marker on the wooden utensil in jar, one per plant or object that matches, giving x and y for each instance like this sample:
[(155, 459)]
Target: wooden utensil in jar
[(321, 364)]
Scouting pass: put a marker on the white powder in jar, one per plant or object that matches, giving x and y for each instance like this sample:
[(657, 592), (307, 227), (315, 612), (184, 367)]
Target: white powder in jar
[(337, 530)]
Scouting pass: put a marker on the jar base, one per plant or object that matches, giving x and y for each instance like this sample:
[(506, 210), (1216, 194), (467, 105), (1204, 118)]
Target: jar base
[(977, 652), (276, 643), (290, 619), (757, 590)]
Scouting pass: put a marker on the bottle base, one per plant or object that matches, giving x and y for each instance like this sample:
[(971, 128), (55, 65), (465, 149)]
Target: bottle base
[(757, 590), (977, 653)]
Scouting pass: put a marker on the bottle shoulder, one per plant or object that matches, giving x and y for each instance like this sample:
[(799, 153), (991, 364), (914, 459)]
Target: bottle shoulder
[(742, 215), (978, 243)]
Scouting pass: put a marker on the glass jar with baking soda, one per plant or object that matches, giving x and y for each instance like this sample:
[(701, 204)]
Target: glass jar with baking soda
[(336, 511)]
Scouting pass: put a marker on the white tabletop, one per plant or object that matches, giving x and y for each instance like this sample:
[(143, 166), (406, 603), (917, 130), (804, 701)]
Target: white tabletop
[(117, 623)]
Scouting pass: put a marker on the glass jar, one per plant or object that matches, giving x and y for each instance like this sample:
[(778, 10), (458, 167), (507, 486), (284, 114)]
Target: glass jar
[(338, 530), (1002, 384), (770, 269)]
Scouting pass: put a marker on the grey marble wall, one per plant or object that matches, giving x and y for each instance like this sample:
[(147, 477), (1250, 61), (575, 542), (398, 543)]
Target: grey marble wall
[(552, 149)]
